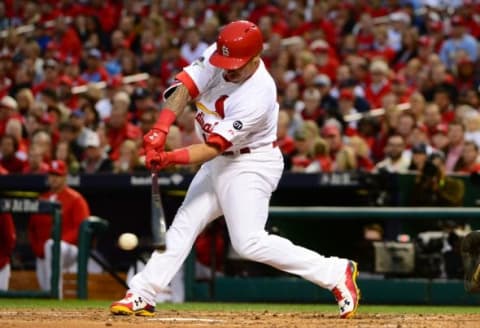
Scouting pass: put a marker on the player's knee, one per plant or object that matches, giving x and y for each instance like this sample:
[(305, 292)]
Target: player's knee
[(47, 247), (250, 246)]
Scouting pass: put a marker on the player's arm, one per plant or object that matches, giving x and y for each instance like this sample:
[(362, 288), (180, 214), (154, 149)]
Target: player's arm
[(174, 106), (193, 154), (178, 100)]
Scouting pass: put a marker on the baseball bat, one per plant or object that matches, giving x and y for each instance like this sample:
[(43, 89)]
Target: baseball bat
[(374, 112), (159, 226)]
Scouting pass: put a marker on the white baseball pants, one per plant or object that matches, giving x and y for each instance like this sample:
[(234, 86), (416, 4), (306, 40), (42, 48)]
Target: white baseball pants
[(4, 276), (68, 259), (239, 187)]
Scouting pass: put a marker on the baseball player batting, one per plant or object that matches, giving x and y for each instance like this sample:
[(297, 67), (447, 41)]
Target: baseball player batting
[(237, 114)]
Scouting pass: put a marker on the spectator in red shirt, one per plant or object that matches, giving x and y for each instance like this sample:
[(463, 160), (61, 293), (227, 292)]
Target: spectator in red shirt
[(469, 161), (276, 22), (35, 163), (342, 155), (439, 138), (51, 77), (44, 140), (118, 126), (301, 158), (107, 12), (364, 33), (15, 128), (346, 106), (432, 118), (319, 27), (311, 106), (325, 58), (284, 141), (172, 63), (405, 124), (442, 97), (7, 244), (72, 70), (425, 48), (74, 210), (321, 161), (379, 85), (8, 158), (262, 7), (400, 89), (362, 153), (66, 37), (8, 110)]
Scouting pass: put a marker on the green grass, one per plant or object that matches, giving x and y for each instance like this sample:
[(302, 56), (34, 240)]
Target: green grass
[(253, 307)]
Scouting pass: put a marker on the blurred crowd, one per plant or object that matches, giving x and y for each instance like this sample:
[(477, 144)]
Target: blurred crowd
[(362, 85)]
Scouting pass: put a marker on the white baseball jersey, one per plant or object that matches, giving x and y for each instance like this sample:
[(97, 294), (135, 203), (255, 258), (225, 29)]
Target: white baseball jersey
[(245, 114)]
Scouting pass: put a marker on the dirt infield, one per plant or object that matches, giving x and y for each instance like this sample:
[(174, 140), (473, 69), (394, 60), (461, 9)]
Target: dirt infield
[(55, 318)]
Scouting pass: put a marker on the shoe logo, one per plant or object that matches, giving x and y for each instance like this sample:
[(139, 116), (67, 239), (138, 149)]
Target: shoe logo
[(153, 136)]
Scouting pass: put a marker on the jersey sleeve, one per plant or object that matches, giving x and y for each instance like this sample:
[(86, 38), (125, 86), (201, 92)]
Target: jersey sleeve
[(198, 75), (77, 211)]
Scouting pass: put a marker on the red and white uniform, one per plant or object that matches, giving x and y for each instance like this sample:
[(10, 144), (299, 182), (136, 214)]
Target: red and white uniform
[(237, 185), (7, 244), (75, 209)]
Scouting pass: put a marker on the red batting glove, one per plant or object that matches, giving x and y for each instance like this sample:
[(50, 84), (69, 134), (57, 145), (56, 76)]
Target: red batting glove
[(156, 137), (152, 160), (159, 160)]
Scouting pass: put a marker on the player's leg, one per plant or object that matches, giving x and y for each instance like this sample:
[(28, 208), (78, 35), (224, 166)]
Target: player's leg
[(40, 268), (4, 276), (177, 286), (198, 209), (245, 199), (68, 254)]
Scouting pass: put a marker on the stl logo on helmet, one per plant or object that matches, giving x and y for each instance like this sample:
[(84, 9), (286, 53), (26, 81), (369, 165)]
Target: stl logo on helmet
[(225, 51)]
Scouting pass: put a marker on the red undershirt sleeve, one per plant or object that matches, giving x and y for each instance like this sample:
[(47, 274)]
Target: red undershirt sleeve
[(218, 141), (189, 83)]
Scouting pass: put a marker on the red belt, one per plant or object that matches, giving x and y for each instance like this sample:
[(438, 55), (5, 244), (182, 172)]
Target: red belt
[(245, 150)]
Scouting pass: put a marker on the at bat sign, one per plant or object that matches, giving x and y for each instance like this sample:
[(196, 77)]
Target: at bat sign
[(159, 226)]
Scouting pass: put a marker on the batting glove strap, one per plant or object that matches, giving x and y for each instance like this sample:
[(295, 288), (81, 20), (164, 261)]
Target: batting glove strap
[(165, 120), (178, 156)]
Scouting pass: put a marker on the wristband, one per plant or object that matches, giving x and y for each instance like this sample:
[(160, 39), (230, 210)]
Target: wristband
[(178, 156), (165, 120)]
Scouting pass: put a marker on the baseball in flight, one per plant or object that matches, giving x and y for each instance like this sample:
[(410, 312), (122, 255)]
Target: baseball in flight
[(127, 241)]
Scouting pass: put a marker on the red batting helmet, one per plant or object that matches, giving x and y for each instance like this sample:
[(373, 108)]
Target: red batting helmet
[(237, 43)]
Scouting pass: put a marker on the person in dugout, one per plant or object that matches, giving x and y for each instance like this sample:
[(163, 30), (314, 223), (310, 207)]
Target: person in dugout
[(75, 209), (7, 244)]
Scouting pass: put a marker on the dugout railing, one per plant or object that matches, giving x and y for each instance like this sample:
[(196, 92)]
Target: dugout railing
[(34, 206)]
